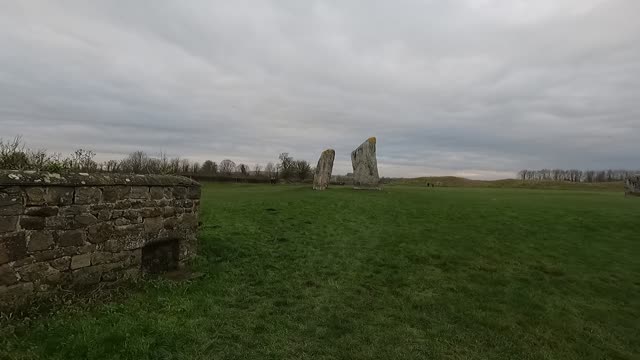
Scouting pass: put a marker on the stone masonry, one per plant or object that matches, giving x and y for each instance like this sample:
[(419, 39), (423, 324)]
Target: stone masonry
[(76, 230)]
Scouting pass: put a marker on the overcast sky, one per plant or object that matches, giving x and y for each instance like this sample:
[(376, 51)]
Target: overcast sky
[(476, 88)]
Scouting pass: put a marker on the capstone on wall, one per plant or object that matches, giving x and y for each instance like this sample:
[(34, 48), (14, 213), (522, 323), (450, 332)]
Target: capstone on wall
[(74, 230)]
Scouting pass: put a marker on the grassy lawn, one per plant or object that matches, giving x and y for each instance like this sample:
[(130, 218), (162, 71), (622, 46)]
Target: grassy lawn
[(409, 272)]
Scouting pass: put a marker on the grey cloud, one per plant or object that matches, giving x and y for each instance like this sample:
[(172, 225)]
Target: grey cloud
[(469, 87)]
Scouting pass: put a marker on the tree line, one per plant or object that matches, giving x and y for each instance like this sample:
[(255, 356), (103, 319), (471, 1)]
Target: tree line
[(14, 155), (574, 175)]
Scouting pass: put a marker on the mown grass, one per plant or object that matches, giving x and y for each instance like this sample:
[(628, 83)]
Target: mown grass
[(404, 273)]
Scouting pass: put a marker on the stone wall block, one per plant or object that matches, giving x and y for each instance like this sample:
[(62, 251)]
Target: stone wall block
[(193, 192), (156, 193), (87, 195), (8, 224), (43, 211), (112, 194), (99, 233), (74, 210), (35, 195), (153, 225), (11, 201), (84, 220), (189, 221), (179, 192), (80, 261), (151, 212), (35, 272), (61, 264), (32, 223), (122, 204), (139, 192), (39, 240), (7, 275), (168, 211), (99, 258), (87, 276), (59, 195), (72, 238), (59, 222), (47, 255), (104, 215), (13, 247)]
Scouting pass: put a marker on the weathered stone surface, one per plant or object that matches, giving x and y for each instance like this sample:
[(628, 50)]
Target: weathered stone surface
[(8, 294), (7, 275), (194, 192), (32, 222), (59, 222), (8, 223), (114, 193), (151, 212), (11, 202), (57, 195), (61, 264), (80, 261), (179, 192), (156, 193), (88, 195), (13, 247), (632, 185), (47, 255), (323, 170), (365, 166), (104, 215), (40, 240), (99, 258), (99, 233), (72, 238), (84, 220), (87, 276), (153, 225), (139, 192), (35, 272), (35, 195), (41, 211)]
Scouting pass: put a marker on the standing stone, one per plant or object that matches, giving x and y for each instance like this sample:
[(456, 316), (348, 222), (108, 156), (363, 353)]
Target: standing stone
[(365, 166), (323, 170), (632, 185)]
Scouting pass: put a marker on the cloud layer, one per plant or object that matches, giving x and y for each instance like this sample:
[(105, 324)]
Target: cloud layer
[(478, 88)]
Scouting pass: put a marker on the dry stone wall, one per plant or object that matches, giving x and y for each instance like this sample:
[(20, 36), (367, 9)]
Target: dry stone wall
[(68, 231)]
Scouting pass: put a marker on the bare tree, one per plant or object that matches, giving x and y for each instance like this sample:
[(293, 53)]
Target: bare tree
[(243, 169), (269, 170), (209, 167), (227, 166), (302, 169), (257, 170)]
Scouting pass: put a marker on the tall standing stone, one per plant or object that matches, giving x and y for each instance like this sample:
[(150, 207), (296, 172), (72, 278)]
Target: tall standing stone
[(323, 170), (365, 166), (632, 185)]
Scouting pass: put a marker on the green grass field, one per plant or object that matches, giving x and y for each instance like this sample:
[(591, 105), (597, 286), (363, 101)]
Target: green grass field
[(404, 273)]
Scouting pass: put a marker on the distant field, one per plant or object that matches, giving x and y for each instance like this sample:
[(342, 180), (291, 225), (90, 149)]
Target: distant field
[(406, 273), (453, 181)]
